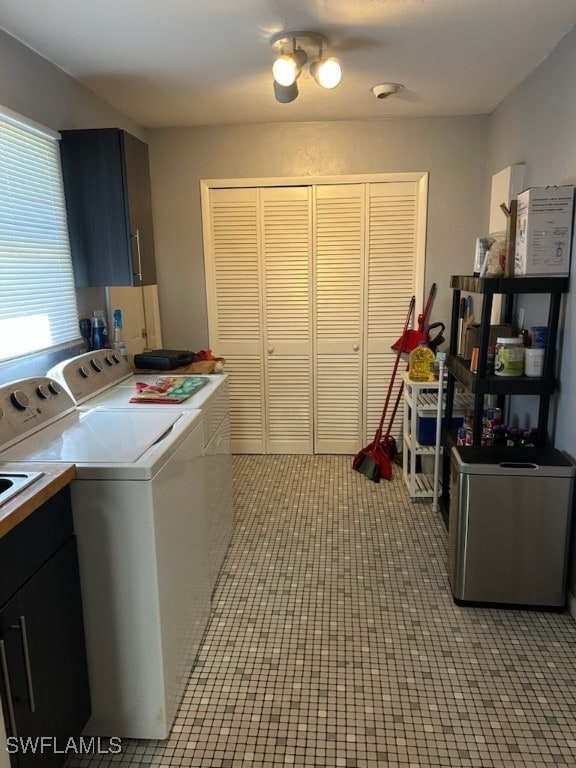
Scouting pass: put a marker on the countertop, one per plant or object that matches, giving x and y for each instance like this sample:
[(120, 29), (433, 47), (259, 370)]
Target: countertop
[(55, 477)]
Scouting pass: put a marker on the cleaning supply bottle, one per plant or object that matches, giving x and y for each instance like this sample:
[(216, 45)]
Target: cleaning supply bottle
[(99, 336), (420, 363), (119, 344)]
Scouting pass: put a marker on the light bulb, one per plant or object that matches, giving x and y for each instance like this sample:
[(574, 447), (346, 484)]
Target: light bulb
[(326, 72), (285, 70)]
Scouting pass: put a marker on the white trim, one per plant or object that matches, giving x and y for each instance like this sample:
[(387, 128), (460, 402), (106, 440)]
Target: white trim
[(298, 181), (14, 117), (422, 212)]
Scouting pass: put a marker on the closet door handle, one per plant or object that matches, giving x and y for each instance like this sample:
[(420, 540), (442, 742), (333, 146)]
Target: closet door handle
[(356, 347), (6, 676), (21, 627), (270, 350)]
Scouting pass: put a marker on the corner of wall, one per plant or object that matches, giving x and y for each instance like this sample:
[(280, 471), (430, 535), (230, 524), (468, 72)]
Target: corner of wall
[(571, 603)]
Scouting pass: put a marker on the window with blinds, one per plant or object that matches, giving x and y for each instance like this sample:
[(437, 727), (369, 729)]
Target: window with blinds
[(37, 298)]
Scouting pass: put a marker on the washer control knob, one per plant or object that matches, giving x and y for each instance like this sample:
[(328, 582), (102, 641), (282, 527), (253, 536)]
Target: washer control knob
[(95, 365), (54, 387), (109, 360), (83, 371), (115, 358), (1, 413), (19, 399), (42, 391)]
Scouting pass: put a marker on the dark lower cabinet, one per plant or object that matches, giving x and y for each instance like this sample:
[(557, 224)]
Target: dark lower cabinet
[(43, 675)]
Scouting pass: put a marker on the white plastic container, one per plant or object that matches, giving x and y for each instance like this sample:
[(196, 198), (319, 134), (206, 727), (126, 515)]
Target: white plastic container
[(509, 357), (534, 361)]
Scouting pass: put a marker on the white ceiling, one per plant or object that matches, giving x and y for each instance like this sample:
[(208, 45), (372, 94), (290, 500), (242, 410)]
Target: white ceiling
[(207, 62)]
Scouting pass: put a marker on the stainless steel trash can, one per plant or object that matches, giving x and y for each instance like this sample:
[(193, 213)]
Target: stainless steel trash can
[(509, 525)]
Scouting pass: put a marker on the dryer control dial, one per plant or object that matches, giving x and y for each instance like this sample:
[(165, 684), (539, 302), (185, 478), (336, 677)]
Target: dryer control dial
[(95, 365), (54, 388), (19, 399), (43, 391)]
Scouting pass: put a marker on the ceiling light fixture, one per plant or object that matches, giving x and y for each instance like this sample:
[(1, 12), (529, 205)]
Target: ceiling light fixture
[(292, 56), (285, 93)]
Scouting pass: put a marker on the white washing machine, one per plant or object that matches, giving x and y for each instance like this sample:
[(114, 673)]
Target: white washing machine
[(103, 379), (139, 516)]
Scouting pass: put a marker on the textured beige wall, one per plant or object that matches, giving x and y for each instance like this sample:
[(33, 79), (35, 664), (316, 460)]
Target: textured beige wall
[(37, 89), (452, 150)]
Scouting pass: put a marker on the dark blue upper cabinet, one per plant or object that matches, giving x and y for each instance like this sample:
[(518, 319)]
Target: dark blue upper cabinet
[(108, 201)]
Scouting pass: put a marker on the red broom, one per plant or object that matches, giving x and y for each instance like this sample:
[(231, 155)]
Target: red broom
[(374, 461)]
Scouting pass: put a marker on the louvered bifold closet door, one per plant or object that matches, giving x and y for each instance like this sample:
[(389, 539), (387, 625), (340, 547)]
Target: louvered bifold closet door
[(391, 257), (286, 248), (234, 293), (338, 279)]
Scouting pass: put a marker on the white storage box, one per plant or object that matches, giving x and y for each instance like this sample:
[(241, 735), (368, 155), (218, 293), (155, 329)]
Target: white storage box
[(544, 231)]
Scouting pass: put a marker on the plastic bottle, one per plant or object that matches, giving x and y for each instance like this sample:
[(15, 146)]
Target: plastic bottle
[(527, 438), (487, 436), (512, 436), (119, 344), (420, 361), (498, 436), (98, 330)]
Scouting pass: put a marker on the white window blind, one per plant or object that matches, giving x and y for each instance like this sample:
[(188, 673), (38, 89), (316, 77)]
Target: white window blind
[(37, 297)]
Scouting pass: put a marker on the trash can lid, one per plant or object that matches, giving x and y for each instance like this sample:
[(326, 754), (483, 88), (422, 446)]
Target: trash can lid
[(514, 459)]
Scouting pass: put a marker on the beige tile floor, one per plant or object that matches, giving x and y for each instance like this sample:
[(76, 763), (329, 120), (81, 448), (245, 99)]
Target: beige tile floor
[(335, 642)]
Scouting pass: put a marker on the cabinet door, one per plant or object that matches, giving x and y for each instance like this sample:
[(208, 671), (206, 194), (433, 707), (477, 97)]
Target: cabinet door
[(49, 608), (140, 317), (139, 209), (108, 204)]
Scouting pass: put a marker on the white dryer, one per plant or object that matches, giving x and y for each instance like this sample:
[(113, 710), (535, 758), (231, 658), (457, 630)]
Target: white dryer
[(139, 514), (103, 379)]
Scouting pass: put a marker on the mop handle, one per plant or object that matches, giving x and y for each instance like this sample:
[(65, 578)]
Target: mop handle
[(424, 316), (395, 409), (378, 435)]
